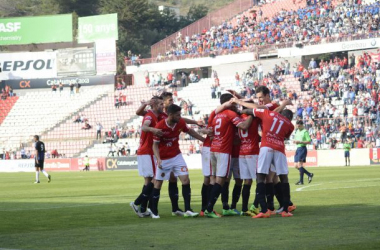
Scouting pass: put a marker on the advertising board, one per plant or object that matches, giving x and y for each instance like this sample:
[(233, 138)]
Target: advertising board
[(121, 163), (75, 62), (93, 28)]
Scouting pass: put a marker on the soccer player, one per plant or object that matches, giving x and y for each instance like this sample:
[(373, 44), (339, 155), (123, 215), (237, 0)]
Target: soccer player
[(347, 148), (145, 158), (39, 159), (169, 158), (167, 98), (235, 172), (86, 162), (301, 139), (223, 126), (275, 129), (272, 183)]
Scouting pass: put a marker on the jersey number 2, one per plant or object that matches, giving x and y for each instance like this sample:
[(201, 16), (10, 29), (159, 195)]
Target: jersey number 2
[(217, 126), (274, 124)]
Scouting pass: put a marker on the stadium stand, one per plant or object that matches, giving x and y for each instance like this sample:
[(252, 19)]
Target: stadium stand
[(336, 99)]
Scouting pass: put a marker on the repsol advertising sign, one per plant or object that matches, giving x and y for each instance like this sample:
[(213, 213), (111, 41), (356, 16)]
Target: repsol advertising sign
[(28, 65), (121, 163), (48, 82)]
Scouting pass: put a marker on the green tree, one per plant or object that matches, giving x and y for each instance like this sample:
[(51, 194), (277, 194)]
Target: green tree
[(196, 12)]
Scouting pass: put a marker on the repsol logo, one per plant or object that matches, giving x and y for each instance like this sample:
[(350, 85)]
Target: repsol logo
[(39, 64), (10, 27)]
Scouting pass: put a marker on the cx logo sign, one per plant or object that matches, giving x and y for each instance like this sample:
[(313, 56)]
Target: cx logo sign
[(111, 163), (24, 84)]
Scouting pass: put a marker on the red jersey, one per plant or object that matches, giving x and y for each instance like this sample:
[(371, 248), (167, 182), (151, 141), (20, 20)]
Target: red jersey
[(169, 146), (207, 142), (224, 129), (250, 138), (272, 106), (236, 145), (146, 138), (275, 129)]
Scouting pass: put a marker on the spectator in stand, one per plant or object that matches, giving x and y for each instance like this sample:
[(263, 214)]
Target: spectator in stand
[(99, 128), (22, 152), (86, 126), (47, 155), (71, 88), (54, 88), (111, 150), (197, 148), (183, 79), (54, 153), (60, 88), (191, 148), (128, 148), (312, 64), (77, 87)]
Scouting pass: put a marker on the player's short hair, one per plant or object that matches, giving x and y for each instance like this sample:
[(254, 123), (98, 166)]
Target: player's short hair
[(262, 89), (156, 98), (287, 113), (173, 109), (165, 95), (299, 122), (37, 137), (225, 98)]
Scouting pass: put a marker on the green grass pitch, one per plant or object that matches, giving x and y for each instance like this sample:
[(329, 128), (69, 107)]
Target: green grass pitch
[(340, 209)]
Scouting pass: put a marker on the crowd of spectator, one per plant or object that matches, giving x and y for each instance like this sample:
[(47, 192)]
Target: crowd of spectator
[(318, 22)]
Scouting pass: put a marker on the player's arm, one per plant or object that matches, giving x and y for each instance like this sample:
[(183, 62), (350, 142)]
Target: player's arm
[(222, 107), (192, 122), (248, 104), (156, 153), (206, 131), (141, 110), (146, 128), (194, 134), (36, 155), (245, 125), (283, 106)]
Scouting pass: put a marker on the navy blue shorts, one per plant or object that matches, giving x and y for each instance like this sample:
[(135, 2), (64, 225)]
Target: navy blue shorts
[(301, 154), (346, 153)]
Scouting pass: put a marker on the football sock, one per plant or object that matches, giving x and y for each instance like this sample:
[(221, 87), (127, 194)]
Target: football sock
[(286, 195), (260, 193), (235, 196), (225, 194), (147, 192), (45, 173), (269, 194), (214, 197), (301, 174), (210, 188), (186, 193), (348, 161), (245, 197), (204, 194), (345, 159), (256, 201), (278, 193), (140, 197), (173, 194), (305, 171), (155, 199), (37, 176)]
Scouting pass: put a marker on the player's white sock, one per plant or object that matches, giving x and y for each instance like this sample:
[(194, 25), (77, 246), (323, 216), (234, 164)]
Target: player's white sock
[(45, 173), (37, 176)]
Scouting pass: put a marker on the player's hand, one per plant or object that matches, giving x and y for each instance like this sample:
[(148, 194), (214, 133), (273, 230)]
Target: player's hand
[(159, 162), (200, 124), (288, 102), (157, 132), (37, 162)]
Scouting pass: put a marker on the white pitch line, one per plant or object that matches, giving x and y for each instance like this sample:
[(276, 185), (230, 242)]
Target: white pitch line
[(321, 189), (302, 188), (58, 207)]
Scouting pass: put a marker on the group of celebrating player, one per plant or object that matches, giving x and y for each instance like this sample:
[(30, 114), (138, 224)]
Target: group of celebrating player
[(231, 147)]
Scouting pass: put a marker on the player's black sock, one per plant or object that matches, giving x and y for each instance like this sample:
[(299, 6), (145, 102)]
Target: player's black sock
[(235, 196), (301, 174), (278, 193), (256, 201), (269, 195), (155, 199), (148, 194), (305, 171), (140, 198), (204, 194), (285, 195), (245, 197), (173, 194), (349, 162), (225, 194), (209, 192), (186, 193), (260, 193), (214, 197)]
